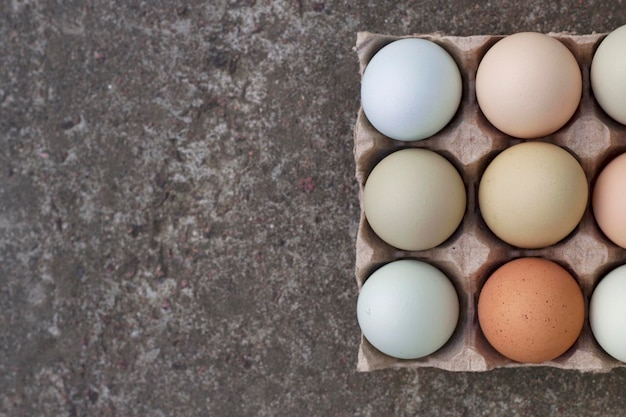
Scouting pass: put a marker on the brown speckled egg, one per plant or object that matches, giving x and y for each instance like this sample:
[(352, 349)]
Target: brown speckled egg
[(531, 310)]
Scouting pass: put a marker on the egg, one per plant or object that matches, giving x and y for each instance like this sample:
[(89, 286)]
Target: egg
[(411, 89), (408, 309), (414, 199), (607, 313), (528, 85), (609, 200), (531, 310), (608, 74), (533, 194)]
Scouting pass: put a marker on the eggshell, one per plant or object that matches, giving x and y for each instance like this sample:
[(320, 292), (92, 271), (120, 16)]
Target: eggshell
[(528, 85), (408, 309), (607, 313), (414, 199), (608, 74), (411, 89), (533, 194), (609, 200), (531, 310)]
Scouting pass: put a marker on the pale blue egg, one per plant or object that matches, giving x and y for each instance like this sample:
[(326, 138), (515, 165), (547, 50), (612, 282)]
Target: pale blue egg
[(408, 309), (411, 89)]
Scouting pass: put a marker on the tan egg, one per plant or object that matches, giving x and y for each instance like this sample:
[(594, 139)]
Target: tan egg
[(533, 194), (528, 85), (609, 200), (531, 310)]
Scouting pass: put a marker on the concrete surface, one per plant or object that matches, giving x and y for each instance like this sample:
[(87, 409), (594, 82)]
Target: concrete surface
[(178, 212)]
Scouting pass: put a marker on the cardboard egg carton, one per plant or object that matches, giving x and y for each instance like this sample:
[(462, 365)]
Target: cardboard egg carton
[(473, 252)]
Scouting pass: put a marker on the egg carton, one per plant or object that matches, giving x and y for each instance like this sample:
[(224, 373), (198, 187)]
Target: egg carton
[(473, 252)]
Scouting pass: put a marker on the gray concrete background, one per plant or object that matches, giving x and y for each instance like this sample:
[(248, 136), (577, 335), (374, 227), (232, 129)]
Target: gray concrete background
[(178, 212)]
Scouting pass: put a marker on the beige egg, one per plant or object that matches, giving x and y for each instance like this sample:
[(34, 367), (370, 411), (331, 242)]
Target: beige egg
[(531, 310), (414, 199), (533, 194), (528, 85)]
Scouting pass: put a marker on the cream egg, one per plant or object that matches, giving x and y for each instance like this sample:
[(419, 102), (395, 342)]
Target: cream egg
[(533, 194), (528, 85), (607, 313), (414, 199), (408, 309), (608, 75), (411, 89)]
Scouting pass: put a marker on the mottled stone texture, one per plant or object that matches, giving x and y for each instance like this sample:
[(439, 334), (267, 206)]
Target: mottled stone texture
[(178, 211)]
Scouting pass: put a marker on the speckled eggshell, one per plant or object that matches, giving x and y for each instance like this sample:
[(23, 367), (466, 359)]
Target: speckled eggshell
[(531, 310)]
